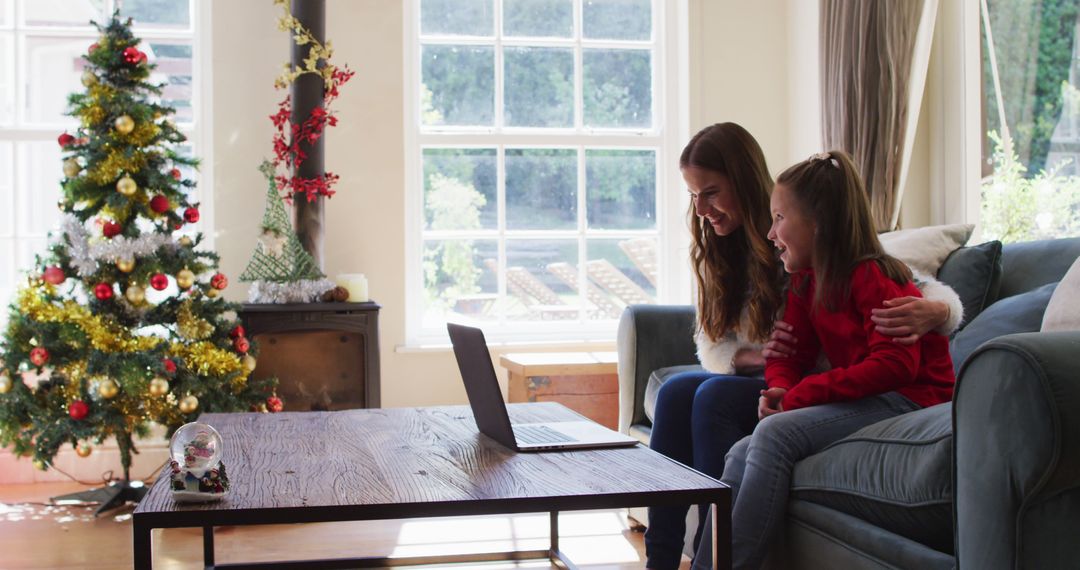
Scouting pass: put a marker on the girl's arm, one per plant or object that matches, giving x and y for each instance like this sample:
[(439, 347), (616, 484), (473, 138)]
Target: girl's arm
[(785, 372), (887, 366)]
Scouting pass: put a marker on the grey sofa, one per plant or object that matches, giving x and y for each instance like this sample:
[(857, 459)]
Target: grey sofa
[(991, 480)]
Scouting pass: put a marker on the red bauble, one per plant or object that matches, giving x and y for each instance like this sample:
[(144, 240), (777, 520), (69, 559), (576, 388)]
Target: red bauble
[(274, 404), (237, 332), (159, 281), (78, 410), (169, 365), (132, 55), (39, 356), (241, 345), (219, 281), (65, 140), (54, 275), (111, 229), (191, 215), (159, 204), (103, 291), (93, 47), (175, 173)]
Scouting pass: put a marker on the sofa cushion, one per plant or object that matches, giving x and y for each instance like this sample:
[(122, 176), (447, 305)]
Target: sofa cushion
[(1016, 314), (975, 274), (657, 379), (1063, 312), (926, 248), (895, 474)]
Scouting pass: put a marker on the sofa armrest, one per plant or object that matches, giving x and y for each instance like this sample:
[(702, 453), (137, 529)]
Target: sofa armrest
[(650, 337), (1017, 452)]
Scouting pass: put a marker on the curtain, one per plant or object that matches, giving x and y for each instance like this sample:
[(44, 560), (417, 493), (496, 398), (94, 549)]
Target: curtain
[(874, 57)]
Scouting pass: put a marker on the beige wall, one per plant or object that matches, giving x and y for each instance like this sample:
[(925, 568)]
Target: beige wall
[(750, 62)]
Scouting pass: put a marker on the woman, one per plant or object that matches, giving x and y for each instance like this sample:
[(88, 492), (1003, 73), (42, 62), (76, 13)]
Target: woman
[(740, 287)]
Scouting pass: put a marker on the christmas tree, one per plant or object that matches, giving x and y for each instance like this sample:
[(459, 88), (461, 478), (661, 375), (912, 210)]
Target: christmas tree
[(121, 323)]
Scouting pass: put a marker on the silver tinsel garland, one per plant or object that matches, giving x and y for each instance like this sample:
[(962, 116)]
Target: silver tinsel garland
[(303, 291), (85, 256)]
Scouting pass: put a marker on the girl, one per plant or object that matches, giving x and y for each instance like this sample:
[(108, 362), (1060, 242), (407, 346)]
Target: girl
[(700, 415), (822, 227)]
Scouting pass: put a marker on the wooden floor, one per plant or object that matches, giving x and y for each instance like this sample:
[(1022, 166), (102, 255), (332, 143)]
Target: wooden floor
[(34, 534)]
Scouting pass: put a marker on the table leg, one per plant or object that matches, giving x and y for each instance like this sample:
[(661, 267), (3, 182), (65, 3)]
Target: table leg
[(554, 531), (208, 546), (142, 543), (721, 520)]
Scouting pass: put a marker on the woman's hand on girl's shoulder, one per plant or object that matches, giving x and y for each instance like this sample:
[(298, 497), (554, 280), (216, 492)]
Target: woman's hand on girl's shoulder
[(781, 342)]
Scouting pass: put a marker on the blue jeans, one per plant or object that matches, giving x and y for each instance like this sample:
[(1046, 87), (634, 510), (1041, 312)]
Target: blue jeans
[(759, 467), (698, 417)]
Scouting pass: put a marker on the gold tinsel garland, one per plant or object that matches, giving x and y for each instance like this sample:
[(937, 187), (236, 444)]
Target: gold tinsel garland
[(103, 336), (207, 359), (116, 163), (189, 326)]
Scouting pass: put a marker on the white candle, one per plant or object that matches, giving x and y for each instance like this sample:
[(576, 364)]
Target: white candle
[(355, 284)]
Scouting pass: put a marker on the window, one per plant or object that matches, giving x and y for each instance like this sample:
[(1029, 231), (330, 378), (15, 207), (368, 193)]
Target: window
[(1031, 74), (41, 47), (538, 133)]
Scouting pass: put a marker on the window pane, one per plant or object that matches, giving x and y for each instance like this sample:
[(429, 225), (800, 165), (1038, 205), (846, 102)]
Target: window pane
[(460, 189), (7, 78), (174, 69), (7, 192), (457, 17), (5, 7), (539, 87), (458, 85), (460, 279), (539, 292), (617, 19), (628, 281), (618, 88), (538, 18), (620, 189), (54, 66), (62, 12), (541, 189), (40, 172), (158, 13)]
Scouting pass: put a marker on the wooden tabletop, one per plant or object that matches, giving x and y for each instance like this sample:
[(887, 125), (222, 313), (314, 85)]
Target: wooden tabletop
[(405, 462)]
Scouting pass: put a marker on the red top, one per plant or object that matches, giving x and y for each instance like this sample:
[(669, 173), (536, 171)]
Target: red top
[(865, 362)]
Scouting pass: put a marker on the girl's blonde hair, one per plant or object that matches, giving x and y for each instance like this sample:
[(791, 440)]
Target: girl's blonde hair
[(739, 270), (828, 190)]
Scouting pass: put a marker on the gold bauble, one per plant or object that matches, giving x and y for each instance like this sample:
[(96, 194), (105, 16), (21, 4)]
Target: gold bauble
[(108, 389), (185, 241), (88, 78), (124, 124), (40, 465), (5, 383), (211, 292), (126, 186), (185, 279), (159, 386), (249, 362), (72, 168), (83, 449), (135, 294), (189, 404), (125, 264)]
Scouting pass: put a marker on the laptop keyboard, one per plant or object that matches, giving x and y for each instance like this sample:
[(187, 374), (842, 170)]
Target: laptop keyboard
[(539, 434)]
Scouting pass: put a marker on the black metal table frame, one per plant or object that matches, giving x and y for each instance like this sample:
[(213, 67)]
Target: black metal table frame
[(143, 523)]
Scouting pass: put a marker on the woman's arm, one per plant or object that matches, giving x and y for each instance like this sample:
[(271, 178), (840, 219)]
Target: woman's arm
[(908, 318)]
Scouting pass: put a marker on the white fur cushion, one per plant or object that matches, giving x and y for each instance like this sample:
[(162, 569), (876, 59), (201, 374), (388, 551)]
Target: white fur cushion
[(925, 249), (1063, 312)]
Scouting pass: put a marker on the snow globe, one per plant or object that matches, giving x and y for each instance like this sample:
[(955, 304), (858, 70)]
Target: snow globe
[(198, 475)]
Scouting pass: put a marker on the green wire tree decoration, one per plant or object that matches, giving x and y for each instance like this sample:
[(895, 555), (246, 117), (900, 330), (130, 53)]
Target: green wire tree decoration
[(281, 270)]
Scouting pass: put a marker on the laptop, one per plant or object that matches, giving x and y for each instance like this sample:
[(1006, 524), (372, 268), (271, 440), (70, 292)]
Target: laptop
[(482, 387)]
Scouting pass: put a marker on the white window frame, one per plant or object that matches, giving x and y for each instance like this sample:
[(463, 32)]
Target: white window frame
[(197, 132), (670, 109)]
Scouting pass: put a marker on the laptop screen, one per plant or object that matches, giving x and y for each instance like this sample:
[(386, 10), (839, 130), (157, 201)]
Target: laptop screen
[(481, 384)]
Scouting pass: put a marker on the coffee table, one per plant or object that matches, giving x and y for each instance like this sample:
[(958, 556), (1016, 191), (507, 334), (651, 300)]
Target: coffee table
[(399, 463)]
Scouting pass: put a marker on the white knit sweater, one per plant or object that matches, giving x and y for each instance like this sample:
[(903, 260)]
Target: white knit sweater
[(716, 356)]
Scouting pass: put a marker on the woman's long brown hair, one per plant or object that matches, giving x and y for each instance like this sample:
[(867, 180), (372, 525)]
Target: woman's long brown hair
[(738, 270), (830, 192)]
